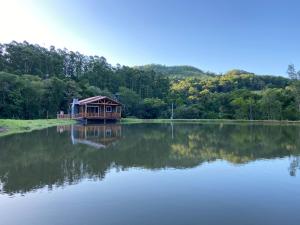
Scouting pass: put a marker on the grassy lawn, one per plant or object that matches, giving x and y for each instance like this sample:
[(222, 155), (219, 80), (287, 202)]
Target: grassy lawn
[(11, 126)]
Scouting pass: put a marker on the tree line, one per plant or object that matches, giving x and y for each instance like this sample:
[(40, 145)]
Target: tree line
[(37, 82)]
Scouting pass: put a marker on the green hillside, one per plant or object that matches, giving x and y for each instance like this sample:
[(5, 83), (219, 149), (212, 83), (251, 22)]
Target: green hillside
[(176, 71)]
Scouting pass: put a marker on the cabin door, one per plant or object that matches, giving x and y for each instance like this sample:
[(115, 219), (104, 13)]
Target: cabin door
[(94, 110)]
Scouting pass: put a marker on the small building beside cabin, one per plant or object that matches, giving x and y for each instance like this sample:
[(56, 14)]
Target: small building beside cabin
[(94, 108)]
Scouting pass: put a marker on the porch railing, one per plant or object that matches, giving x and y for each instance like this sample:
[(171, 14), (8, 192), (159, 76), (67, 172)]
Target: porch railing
[(100, 115)]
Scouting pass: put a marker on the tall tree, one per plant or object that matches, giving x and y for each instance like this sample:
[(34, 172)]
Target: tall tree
[(291, 71)]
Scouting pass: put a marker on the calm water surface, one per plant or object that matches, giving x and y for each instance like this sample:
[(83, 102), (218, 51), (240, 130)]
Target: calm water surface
[(151, 174)]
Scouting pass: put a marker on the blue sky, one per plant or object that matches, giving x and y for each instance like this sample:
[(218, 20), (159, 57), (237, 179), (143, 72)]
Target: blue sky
[(260, 36)]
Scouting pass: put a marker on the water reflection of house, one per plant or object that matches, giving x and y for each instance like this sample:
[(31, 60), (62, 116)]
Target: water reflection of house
[(97, 136)]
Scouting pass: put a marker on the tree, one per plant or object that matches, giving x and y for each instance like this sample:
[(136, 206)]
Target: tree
[(291, 71), (270, 104), (187, 112), (10, 96), (58, 75), (130, 100), (31, 92), (54, 95), (296, 92), (153, 108), (244, 103), (295, 77)]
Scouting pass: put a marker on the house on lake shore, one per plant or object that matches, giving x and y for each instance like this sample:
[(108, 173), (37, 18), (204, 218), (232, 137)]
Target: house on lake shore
[(94, 108)]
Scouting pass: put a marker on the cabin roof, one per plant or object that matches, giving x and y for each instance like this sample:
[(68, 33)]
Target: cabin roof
[(96, 98)]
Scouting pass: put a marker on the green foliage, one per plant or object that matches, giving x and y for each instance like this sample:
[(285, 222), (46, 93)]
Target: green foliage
[(153, 108), (271, 105), (59, 75), (235, 72), (291, 71), (176, 71), (187, 112), (130, 100)]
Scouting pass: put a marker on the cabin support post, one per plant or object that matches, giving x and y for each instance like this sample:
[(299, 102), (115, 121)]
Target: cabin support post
[(104, 110)]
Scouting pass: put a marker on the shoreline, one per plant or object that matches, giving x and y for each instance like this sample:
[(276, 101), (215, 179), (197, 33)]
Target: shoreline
[(203, 121), (14, 126)]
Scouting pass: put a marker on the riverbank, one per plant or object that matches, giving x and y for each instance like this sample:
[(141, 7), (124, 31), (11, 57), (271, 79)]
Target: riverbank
[(225, 121), (11, 126)]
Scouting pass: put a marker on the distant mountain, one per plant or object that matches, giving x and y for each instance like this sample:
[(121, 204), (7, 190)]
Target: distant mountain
[(176, 71)]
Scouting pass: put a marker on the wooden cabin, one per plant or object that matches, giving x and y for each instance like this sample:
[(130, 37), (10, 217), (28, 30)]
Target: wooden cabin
[(94, 108)]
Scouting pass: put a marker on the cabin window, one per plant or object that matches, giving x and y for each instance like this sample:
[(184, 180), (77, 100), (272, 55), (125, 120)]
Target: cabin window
[(92, 109), (108, 133), (108, 108), (118, 109)]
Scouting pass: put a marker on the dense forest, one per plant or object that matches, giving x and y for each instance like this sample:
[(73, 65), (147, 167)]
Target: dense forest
[(36, 82)]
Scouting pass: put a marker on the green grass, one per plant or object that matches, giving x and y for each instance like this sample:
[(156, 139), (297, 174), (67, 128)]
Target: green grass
[(136, 120), (12, 126)]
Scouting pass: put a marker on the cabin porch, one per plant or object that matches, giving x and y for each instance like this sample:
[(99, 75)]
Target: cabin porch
[(94, 108)]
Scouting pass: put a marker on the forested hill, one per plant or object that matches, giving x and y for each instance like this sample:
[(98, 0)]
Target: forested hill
[(36, 82), (176, 71)]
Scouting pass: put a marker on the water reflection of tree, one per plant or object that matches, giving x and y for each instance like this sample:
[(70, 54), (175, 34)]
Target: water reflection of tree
[(294, 166), (238, 144), (43, 158)]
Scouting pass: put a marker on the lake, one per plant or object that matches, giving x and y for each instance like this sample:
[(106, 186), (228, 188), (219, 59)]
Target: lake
[(151, 174)]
